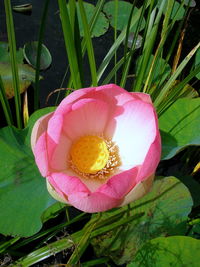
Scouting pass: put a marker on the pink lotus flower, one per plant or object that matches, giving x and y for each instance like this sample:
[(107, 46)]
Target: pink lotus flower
[(99, 149)]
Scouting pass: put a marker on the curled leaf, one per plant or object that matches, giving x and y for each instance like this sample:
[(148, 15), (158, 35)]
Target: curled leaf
[(30, 54), (25, 8)]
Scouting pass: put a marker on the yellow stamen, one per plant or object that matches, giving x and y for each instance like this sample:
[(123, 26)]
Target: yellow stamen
[(89, 154)]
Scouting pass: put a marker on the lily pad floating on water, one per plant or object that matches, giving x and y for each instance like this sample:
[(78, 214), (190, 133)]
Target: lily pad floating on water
[(178, 11), (181, 130), (124, 11), (164, 211), (138, 41), (168, 251), (26, 72), (26, 76), (191, 3), (30, 54), (21, 185), (101, 25), (5, 56)]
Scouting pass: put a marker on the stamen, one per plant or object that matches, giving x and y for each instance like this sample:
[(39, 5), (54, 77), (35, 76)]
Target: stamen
[(111, 166)]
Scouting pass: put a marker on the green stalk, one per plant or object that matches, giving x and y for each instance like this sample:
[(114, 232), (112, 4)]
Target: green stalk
[(148, 48), (72, 11), (12, 47), (101, 227), (132, 50), (92, 23), (8, 243), (50, 232), (116, 45), (165, 32), (72, 7), (125, 69), (176, 92), (69, 44), (84, 241), (168, 85), (89, 45), (39, 50), (115, 33), (113, 71), (5, 104)]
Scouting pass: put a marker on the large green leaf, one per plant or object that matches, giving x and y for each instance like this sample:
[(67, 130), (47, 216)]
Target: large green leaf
[(124, 11), (23, 193), (165, 209), (180, 126), (174, 251), (193, 186)]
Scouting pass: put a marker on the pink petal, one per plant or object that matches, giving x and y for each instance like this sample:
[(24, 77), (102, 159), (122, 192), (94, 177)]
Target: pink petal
[(95, 202), (110, 93), (119, 185), (77, 194), (135, 131), (142, 96), (67, 184), (39, 128), (41, 155), (113, 94), (59, 159), (88, 117), (55, 127), (58, 144), (138, 191), (70, 99), (151, 160)]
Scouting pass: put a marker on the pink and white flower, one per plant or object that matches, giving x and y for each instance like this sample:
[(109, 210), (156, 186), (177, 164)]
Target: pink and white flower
[(99, 149)]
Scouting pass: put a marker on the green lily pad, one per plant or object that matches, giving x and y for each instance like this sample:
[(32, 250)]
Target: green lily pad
[(138, 43), (168, 251), (26, 73), (180, 126), (26, 76), (30, 54), (165, 209), (178, 11), (191, 3), (23, 193), (101, 25), (4, 54), (124, 11), (193, 186)]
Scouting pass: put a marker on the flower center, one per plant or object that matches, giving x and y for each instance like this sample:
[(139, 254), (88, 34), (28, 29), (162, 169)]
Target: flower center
[(89, 154)]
